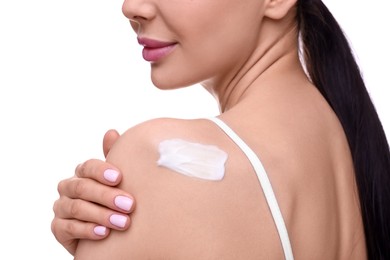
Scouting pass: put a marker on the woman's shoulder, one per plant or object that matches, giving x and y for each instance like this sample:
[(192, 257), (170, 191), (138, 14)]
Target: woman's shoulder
[(160, 128), (180, 150), (144, 138), (186, 217)]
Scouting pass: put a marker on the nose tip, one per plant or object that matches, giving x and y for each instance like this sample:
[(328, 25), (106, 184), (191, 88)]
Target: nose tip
[(138, 11)]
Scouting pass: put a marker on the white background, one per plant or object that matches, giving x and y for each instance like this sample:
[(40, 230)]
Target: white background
[(70, 70)]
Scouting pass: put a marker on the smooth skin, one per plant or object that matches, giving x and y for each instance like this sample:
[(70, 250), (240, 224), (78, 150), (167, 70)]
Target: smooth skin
[(267, 99)]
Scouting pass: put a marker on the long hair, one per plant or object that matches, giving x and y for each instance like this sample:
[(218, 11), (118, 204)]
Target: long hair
[(332, 68)]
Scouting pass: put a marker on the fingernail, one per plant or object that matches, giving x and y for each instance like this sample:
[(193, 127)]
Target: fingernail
[(111, 175), (118, 220), (100, 230), (123, 202)]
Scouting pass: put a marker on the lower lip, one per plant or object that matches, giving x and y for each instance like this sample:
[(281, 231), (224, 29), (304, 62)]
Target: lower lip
[(156, 54)]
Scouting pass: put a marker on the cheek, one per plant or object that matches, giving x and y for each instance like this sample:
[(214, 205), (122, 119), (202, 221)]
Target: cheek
[(208, 48), (222, 43), (222, 50), (201, 60), (194, 63)]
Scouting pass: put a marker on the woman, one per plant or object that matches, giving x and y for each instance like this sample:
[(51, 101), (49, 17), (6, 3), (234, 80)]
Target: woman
[(324, 189)]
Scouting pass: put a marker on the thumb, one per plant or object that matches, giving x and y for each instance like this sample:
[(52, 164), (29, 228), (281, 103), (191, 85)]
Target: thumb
[(108, 140)]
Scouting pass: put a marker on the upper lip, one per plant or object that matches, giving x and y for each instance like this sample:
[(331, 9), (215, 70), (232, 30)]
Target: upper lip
[(150, 43)]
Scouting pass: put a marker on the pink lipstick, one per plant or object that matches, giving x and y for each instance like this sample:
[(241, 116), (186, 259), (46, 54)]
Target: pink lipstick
[(155, 50)]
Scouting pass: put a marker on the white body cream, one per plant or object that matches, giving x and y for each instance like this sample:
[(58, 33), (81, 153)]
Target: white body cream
[(193, 159)]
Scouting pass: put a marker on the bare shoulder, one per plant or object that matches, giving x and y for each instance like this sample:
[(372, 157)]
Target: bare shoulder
[(162, 128), (181, 217)]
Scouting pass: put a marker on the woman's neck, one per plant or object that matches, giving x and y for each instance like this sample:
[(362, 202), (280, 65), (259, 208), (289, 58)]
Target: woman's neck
[(276, 55)]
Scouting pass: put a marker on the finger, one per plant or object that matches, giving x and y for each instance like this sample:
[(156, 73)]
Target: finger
[(92, 191), (68, 232), (87, 212), (100, 171), (70, 229), (108, 140)]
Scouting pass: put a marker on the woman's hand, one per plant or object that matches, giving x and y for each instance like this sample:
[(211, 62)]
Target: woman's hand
[(89, 204)]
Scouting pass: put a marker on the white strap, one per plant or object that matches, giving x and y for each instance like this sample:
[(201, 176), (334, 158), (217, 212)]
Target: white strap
[(265, 184)]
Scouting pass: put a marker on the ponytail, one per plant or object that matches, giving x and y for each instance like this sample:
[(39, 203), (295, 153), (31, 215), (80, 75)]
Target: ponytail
[(332, 68)]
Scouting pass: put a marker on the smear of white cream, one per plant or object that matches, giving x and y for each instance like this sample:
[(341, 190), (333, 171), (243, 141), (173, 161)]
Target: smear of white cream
[(193, 159)]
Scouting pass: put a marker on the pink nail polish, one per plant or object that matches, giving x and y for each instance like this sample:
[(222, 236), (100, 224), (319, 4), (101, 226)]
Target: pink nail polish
[(118, 220), (110, 175), (100, 230), (123, 202)]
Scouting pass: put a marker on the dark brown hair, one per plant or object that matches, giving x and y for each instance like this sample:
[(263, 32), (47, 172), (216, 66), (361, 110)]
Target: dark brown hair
[(332, 68)]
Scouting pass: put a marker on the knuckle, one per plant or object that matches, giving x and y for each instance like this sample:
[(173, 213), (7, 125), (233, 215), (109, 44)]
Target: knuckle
[(70, 229), (87, 168), (80, 169), (60, 186), (53, 227), (77, 169), (55, 207), (58, 230), (75, 208), (79, 188)]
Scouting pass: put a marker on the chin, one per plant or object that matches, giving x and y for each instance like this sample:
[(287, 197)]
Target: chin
[(169, 82), (165, 85)]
